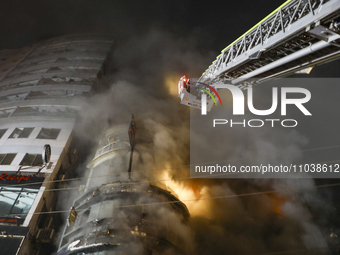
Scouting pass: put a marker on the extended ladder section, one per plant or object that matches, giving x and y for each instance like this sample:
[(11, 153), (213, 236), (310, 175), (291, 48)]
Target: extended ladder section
[(296, 36)]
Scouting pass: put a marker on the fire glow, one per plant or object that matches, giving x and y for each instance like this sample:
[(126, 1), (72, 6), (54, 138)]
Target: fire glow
[(191, 196)]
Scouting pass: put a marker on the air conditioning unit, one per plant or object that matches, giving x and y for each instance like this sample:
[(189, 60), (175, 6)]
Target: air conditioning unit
[(44, 235)]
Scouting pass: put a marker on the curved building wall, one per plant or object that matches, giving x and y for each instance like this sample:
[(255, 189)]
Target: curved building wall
[(60, 68), (121, 213), (42, 88)]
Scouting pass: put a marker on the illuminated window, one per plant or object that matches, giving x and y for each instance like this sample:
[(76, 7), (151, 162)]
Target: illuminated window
[(6, 159), (21, 133), (48, 133), (32, 160), (2, 132)]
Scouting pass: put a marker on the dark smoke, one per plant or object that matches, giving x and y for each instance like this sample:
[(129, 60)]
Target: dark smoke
[(141, 68), (141, 65)]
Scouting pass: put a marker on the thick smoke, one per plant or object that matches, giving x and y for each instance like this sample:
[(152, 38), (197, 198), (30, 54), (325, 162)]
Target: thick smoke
[(143, 80)]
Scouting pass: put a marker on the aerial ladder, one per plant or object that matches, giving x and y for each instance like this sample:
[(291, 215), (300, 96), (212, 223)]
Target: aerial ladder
[(294, 38)]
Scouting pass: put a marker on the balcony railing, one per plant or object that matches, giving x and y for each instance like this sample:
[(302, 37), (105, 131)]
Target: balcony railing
[(118, 145)]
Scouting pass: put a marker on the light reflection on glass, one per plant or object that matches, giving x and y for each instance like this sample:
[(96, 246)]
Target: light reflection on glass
[(16, 201)]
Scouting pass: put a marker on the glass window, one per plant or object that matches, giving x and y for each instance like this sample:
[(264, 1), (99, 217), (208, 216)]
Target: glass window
[(6, 159), (2, 132), (21, 133), (32, 160), (48, 133), (16, 201)]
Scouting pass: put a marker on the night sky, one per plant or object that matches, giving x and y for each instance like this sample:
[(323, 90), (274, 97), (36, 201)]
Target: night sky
[(215, 24)]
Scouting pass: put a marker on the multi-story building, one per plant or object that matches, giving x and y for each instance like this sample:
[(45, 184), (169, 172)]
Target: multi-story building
[(120, 212), (42, 88)]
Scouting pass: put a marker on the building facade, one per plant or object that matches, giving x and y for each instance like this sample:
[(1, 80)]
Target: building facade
[(120, 212), (42, 89)]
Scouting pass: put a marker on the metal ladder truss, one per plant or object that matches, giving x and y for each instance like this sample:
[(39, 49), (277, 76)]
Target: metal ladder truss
[(297, 35)]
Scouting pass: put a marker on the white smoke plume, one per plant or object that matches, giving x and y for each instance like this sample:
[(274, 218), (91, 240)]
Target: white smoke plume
[(143, 81)]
